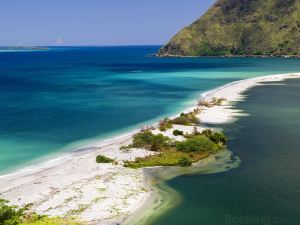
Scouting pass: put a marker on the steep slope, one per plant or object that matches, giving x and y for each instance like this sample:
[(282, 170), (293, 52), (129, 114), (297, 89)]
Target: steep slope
[(241, 27)]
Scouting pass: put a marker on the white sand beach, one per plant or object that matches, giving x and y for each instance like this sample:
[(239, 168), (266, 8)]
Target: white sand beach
[(75, 185)]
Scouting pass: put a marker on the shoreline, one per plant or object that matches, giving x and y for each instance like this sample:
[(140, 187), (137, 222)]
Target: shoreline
[(226, 56), (76, 185)]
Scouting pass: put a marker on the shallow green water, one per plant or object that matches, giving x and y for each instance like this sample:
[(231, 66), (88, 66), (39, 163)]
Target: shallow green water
[(265, 188)]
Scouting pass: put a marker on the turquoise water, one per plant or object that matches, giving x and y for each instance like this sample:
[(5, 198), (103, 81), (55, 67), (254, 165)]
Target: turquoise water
[(51, 99), (264, 189)]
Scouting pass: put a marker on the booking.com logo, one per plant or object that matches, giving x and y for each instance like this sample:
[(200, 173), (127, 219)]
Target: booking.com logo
[(248, 219), (259, 220)]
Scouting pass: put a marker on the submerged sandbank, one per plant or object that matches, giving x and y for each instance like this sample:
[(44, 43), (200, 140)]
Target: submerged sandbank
[(106, 193)]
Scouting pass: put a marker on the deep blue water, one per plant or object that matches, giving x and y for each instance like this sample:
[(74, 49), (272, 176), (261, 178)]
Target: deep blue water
[(51, 99)]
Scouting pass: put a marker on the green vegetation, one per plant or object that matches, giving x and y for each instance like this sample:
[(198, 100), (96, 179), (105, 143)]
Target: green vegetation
[(218, 101), (51, 221), (81, 208), (149, 141), (216, 137), (239, 27), (199, 143), (165, 124), (13, 215), (177, 132), (170, 157), (186, 119), (10, 215), (176, 153), (103, 159), (169, 152), (185, 161)]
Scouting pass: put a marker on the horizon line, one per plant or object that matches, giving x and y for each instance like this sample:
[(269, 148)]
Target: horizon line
[(130, 45)]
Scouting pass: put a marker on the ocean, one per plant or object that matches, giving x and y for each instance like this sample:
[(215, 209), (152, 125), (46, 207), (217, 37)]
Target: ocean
[(53, 101)]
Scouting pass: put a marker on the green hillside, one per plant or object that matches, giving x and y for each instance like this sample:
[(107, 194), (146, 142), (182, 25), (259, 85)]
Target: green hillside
[(241, 27)]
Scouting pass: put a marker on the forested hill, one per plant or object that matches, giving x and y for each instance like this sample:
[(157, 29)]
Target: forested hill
[(241, 27)]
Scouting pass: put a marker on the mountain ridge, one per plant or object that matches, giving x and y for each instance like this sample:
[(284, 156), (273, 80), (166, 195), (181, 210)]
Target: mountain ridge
[(241, 28)]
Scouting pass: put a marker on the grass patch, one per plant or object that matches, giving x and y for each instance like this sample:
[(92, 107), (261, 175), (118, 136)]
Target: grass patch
[(67, 200), (101, 189), (79, 210), (52, 221), (166, 158), (97, 199), (103, 159)]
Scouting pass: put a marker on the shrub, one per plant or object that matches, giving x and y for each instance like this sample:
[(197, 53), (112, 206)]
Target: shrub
[(204, 103), (207, 132), (197, 144), (216, 137), (195, 131), (218, 101), (184, 161), (103, 159), (165, 124), (124, 147), (197, 111), (10, 215), (193, 119), (186, 119), (150, 141), (181, 120), (142, 140), (158, 142), (177, 132), (213, 102), (147, 128)]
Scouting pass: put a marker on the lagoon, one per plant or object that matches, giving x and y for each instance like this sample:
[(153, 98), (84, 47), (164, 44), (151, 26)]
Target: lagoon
[(264, 189)]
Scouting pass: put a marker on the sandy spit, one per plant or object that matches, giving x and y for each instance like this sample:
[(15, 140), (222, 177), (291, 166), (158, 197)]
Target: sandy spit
[(75, 185)]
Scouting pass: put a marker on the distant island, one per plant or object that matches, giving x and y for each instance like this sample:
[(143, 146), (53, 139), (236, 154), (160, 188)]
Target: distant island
[(241, 28), (22, 48)]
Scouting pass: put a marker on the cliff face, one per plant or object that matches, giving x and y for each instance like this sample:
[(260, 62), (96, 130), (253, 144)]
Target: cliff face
[(241, 27)]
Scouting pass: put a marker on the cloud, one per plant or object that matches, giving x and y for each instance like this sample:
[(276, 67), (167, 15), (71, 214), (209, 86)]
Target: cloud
[(59, 41)]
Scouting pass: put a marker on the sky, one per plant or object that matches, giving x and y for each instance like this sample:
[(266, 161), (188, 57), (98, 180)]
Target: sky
[(95, 22)]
